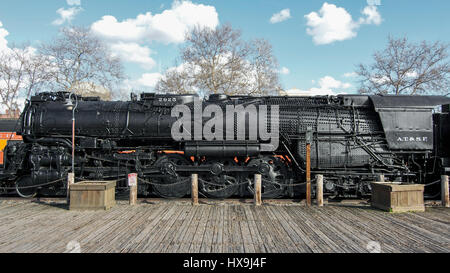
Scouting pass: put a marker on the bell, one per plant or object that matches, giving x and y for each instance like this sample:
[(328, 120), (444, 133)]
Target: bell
[(69, 103)]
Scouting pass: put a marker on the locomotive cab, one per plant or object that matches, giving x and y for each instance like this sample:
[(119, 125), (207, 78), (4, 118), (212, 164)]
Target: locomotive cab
[(441, 123)]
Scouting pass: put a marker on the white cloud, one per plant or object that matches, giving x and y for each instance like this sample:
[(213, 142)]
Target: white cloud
[(128, 30), (170, 26), (327, 86), (350, 74), (134, 53), (372, 16), (3, 41), (380, 79), (145, 83), (383, 79), (73, 2), (284, 71), (330, 83), (331, 24), (66, 15), (411, 74), (280, 16), (334, 23), (28, 53), (149, 79)]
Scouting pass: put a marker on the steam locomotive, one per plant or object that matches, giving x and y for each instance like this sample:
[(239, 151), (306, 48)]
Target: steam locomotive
[(353, 139)]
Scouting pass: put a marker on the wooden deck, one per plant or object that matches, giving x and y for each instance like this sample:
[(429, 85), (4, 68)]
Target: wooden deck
[(176, 226)]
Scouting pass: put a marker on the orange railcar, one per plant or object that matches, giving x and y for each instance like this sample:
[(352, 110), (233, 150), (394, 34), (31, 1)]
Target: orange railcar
[(7, 134)]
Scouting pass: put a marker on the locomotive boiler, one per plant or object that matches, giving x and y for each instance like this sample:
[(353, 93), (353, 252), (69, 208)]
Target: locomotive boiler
[(226, 140)]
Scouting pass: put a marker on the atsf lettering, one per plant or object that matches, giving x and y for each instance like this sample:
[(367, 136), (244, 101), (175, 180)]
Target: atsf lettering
[(412, 139)]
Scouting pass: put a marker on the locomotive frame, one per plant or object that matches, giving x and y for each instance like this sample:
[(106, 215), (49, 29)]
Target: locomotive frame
[(354, 138)]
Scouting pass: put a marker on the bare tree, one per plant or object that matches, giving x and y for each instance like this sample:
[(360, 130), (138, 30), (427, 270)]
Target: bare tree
[(176, 81), (407, 68), (81, 62), (22, 72), (216, 61), (265, 79)]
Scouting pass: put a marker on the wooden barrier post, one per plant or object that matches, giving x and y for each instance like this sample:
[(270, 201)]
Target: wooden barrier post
[(319, 190), (194, 189), (257, 195), (444, 191), (133, 184), (308, 165), (70, 181)]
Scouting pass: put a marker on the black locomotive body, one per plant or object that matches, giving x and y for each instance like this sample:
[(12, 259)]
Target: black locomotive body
[(353, 138)]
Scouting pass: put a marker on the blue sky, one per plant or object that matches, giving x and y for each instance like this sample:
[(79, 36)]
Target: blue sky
[(319, 60)]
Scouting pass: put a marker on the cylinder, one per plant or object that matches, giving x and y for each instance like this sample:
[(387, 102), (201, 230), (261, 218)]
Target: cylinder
[(221, 150)]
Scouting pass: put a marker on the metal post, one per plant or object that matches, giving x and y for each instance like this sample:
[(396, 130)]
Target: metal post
[(257, 194), (74, 107), (308, 165), (73, 141), (319, 190), (194, 189), (381, 178), (444, 191)]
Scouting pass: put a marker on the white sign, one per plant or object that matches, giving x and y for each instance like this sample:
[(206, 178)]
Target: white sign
[(132, 179)]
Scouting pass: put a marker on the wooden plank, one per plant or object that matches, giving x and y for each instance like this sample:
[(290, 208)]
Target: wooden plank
[(380, 227), (28, 234), (306, 226), (217, 246), (258, 241), (211, 227), (197, 240), (337, 234), (285, 243), (170, 240), (363, 229), (237, 236), (342, 235), (226, 236), (54, 231), (247, 237), (192, 229), (114, 237), (151, 220), (225, 227), (262, 229), (166, 234), (160, 229), (296, 244), (175, 246)]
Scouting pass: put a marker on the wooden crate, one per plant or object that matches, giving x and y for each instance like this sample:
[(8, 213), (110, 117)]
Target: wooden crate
[(92, 195), (397, 197)]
